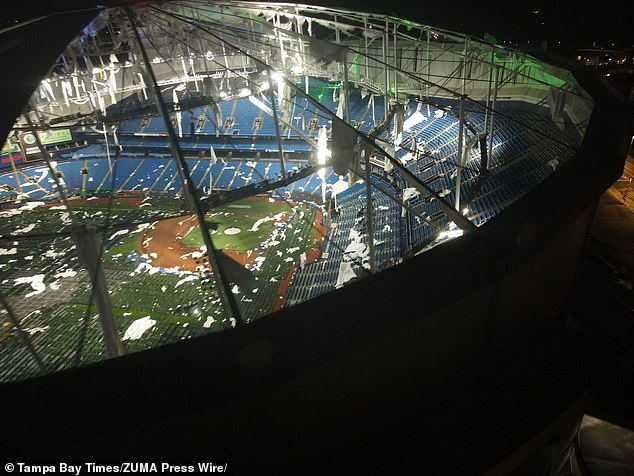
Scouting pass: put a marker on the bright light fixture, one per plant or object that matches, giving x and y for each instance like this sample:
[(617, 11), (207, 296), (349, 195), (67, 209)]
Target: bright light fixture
[(451, 233)]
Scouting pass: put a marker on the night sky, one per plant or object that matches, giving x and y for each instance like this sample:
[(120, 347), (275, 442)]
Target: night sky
[(575, 23), (579, 22)]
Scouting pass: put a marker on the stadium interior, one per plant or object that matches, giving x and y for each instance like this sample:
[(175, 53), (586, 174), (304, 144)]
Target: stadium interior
[(447, 131), (209, 169)]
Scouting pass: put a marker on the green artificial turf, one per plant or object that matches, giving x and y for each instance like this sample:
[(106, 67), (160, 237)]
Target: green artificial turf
[(243, 215)]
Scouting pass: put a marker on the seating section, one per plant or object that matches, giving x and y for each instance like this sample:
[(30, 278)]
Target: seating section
[(526, 148)]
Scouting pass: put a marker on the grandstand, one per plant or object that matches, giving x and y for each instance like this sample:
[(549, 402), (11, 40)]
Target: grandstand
[(242, 172), (140, 168)]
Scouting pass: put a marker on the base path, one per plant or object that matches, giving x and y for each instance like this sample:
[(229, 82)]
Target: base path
[(163, 243)]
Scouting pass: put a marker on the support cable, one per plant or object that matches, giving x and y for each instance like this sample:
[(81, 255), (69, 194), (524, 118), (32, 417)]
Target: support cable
[(230, 305)]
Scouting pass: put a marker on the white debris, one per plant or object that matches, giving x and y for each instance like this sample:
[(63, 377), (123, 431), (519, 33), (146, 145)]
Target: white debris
[(4, 251), (339, 186), (35, 330), (118, 233), (553, 163), (293, 250), (407, 157), (26, 229), (413, 120), (163, 288), (355, 250), (16, 211), (138, 328), (210, 320), (69, 273), (31, 206), (302, 260), (36, 282), (410, 193), (258, 262), (346, 273), (257, 224), (187, 233), (143, 226), (191, 277), (146, 267)]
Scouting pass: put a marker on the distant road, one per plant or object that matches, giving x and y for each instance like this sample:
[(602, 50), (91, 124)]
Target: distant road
[(623, 188)]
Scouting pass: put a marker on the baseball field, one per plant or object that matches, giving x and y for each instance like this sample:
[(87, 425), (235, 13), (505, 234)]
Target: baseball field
[(155, 266)]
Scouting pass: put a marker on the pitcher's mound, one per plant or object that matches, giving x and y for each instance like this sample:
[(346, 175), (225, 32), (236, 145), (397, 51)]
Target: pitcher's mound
[(232, 231)]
